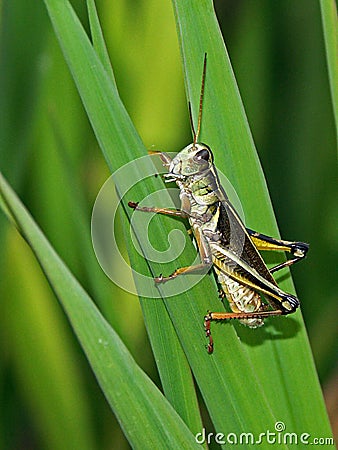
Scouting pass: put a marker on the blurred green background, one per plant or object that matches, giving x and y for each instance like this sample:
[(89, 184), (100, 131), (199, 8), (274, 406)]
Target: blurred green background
[(50, 399)]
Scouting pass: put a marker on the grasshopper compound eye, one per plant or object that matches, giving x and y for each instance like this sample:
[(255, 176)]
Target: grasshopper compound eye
[(202, 155)]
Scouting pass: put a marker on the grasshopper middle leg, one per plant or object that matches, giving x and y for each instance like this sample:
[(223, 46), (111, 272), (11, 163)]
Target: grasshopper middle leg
[(203, 246)]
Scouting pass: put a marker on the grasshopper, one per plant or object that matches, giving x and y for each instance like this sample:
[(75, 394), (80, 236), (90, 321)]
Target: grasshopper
[(223, 241)]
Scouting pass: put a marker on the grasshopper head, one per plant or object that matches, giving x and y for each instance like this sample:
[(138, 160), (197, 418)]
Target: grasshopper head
[(195, 159)]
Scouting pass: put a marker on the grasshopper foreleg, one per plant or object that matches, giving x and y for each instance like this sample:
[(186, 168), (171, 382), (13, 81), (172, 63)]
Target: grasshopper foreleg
[(166, 211)]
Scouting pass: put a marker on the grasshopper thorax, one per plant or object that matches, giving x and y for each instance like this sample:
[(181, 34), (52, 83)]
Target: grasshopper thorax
[(195, 159)]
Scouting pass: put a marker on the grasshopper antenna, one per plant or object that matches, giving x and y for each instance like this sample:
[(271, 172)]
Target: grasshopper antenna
[(197, 132)]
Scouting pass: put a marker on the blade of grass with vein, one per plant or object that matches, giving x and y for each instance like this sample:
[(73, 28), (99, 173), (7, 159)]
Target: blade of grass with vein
[(329, 20), (98, 41), (128, 390), (172, 364), (281, 356)]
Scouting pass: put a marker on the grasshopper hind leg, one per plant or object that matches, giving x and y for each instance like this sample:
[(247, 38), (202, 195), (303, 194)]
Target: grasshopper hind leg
[(243, 316)]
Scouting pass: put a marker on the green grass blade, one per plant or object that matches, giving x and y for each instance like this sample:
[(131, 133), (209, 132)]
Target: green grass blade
[(98, 41), (173, 367), (128, 390), (39, 353), (279, 354), (120, 144), (329, 20), (171, 361), (44, 354)]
